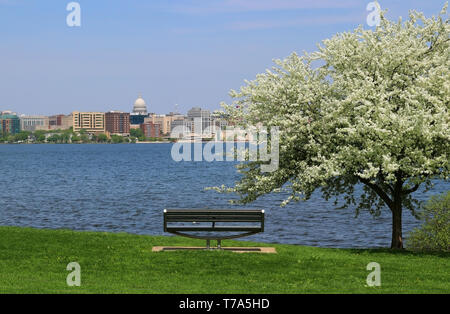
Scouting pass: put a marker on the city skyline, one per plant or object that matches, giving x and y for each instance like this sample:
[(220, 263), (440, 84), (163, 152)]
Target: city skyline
[(111, 122), (112, 109), (187, 53)]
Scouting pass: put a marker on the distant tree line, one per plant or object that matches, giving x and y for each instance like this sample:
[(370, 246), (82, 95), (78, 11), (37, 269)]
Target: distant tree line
[(69, 136)]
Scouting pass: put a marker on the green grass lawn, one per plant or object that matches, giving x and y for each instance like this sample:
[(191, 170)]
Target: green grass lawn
[(34, 261)]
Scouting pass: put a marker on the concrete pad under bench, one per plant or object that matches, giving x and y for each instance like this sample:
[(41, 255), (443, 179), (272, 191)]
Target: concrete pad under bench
[(233, 249)]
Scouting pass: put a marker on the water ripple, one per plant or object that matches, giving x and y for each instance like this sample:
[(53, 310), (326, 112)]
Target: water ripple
[(124, 188)]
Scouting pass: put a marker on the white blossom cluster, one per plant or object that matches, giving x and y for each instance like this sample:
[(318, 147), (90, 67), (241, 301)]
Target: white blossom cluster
[(370, 106)]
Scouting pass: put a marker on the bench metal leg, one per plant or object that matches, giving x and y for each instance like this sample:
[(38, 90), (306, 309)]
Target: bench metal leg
[(208, 244)]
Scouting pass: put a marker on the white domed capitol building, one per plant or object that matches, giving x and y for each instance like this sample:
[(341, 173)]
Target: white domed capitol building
[(140, 107), (139, 112)]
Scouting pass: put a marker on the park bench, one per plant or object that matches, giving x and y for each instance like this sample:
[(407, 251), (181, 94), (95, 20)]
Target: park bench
[(213, 224)]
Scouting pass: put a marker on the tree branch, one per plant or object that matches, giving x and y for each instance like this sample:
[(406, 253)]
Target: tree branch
[(411, 190), (378, 190)]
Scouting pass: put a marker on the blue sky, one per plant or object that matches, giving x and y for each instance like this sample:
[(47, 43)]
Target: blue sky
[(189, 53)]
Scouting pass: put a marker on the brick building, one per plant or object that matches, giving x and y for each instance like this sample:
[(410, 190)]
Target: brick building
[(151, 129), (117, 122)]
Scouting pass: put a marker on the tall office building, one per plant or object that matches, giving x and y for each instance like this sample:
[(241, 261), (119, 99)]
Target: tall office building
[(117, 122), (200, 118), (9, 123), (92, 122)]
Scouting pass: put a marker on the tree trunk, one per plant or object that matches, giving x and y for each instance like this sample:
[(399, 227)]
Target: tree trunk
[(395, 205), (397, 239)]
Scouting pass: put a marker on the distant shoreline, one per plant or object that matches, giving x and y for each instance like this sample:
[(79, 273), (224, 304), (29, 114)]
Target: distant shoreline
[(83, 143), (146, 142), (165, 142)]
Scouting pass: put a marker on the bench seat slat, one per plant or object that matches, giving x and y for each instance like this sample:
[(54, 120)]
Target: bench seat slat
[(198, 219), (212, 229), (255, 215), (234, 213), (213, 209), (211, 219)]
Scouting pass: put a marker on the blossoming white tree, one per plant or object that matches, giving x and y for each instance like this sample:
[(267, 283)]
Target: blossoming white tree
[(370, 107)]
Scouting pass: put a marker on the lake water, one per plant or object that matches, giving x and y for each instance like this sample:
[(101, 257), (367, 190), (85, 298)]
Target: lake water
[(124, 188)]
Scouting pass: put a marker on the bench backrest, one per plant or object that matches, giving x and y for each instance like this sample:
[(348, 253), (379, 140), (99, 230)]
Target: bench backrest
[(214, 215)]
